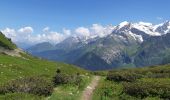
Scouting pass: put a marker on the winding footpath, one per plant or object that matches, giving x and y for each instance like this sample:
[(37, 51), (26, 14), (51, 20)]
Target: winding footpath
[(88, 92)]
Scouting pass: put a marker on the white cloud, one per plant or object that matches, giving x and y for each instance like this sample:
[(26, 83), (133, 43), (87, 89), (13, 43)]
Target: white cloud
[(101, 31), (25, 35), (9, 32), (52, 37), (26, 30), (82, 31), (67, 32), (30, 38), (46, 29)]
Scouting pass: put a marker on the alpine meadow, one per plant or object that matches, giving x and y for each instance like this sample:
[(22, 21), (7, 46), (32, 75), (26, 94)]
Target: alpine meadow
[(84, 50)]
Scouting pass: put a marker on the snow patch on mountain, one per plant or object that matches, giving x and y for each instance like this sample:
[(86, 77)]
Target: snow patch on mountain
[(122, 24), (146, 27), (145, 23), (136, 37), (163, 28)]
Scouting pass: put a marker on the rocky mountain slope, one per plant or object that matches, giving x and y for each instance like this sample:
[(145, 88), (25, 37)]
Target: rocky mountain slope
[(154, 51), (119, 48)]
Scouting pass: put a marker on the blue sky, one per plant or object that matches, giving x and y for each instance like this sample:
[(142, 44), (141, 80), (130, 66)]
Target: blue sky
[(58, 14)]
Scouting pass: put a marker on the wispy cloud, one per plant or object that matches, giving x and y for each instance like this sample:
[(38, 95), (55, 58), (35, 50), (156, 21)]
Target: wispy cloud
[(46, 29), (159, 18), (26, 34), (27, 29)]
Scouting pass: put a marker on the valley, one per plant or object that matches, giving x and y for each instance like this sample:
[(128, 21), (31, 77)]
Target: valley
[(25, 77), (84, 50), (124, 45)]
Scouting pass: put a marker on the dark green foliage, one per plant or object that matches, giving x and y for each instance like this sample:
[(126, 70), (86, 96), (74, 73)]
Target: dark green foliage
[(33, 85), (6, 43), (100, 73), (158, 75), (143, 83), (123, 76), (20, 96), (61, 78), (151, 87), (111, 89), (130, 75), (58, 71)]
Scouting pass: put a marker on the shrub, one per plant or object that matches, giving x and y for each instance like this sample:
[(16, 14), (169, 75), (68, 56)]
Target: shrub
[(148, 87), (107, 90), (123, 76), (20, 96), (127, 97), (111, 89), (33, 85), (159, 75), (61, 78)]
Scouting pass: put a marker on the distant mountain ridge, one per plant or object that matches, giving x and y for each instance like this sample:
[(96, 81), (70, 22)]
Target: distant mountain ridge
[(41, 47), (120, 48), (154, 51)]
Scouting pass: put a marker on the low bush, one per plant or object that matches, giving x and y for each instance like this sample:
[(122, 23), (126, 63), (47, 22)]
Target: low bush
[(111, 89), (20, 96), (33, 85), (158, 75), (61, 78), (148, 87), (123, 76), (107, 90)]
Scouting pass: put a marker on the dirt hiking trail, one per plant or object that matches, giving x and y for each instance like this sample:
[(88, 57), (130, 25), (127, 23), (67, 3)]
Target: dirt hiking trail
[(88, 92)]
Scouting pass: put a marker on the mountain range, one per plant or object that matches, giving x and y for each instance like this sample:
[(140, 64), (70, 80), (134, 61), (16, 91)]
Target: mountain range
[(127, 45)]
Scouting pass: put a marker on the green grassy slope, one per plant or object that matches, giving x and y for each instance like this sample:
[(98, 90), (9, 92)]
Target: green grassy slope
[(26, 73), (17, 67), (12, 68), (6, 43)]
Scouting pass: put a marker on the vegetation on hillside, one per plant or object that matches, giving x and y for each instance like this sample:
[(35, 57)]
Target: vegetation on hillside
[(26, 77), (6, 42), (31, 76), (149, 83)]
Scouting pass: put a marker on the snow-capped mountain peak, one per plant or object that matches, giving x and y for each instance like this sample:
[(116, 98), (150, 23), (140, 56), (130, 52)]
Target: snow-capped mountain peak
[(126, 27), (148, 28), (163, 28), (145, 23), (122, 27), (139, 31), (122, 24)]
